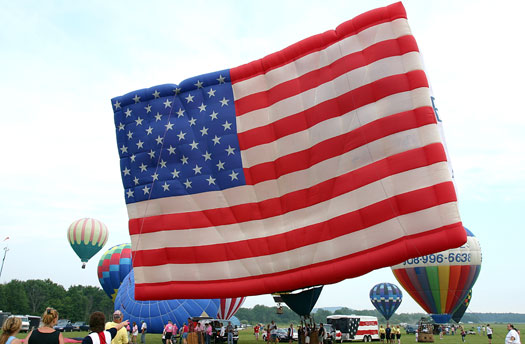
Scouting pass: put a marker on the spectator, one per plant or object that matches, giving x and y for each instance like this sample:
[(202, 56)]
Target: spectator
[(208, 333), (229, 331), (143, 330), (46, 334), (398, 335), (134, 333), (10, 329), (290, 334), (168, 332), (256, 329), (122, 334), (185, 330), (513, 336), (98, 335), (321, 333), (489, 333)]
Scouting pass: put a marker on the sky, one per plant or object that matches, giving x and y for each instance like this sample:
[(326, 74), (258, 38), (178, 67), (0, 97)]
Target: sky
[(62, 61)]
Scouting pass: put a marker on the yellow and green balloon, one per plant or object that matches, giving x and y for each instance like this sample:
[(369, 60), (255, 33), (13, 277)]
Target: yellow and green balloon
[(87, 236)]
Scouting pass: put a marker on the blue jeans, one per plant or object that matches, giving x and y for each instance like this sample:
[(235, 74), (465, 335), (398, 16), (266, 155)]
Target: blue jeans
[(143, 338), (230, 338)]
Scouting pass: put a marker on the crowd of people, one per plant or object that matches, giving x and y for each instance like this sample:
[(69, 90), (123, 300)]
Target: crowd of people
[(390, 335)]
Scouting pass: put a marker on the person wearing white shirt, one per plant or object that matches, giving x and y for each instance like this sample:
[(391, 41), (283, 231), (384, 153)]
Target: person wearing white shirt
[(489, 333), (512, 337)]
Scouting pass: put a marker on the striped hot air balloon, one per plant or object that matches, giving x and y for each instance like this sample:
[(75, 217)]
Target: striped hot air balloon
[(440, 282), (228, 307), (113, 267), (386, 298), (87, 237)]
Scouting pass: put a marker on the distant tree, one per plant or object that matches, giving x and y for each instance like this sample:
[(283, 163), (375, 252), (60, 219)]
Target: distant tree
[(15, 296)]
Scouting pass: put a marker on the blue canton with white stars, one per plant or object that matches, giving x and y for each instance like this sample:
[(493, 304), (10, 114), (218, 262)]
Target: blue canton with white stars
[(178, 139)]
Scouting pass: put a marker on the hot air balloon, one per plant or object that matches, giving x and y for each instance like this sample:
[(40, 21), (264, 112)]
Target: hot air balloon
[(157, 313), (462, 308), (113, 267), (228, 307), (386, 298), (300, 301), (87, 237), (440, 282)]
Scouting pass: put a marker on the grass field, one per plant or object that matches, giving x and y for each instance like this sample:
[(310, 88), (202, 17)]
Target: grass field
[(246, 336)]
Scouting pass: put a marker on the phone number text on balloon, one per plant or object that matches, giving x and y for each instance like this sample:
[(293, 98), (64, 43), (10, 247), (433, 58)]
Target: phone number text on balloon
[(440, 258)]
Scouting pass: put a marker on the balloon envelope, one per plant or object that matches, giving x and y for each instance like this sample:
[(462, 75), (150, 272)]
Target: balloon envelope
[(86, 237), (157, 313), (228, 307), (113, 267), (440, 282), (386, 298), (460, 311)]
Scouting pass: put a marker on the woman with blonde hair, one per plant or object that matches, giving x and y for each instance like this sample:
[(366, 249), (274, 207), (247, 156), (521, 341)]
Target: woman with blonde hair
[(10, 329), (46, 334)]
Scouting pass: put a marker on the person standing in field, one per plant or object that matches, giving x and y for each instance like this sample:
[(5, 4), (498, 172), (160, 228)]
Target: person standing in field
[(46, 334), (10, 329), (489, 333), (513, 336), (98, 335), (143, 330), (122, 334)]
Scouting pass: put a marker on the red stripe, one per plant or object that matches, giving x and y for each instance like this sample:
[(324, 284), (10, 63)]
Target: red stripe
[(318, 42), (310, 80), (402, 277), (339, 145), (332, 271), (453, 280), (398, 163), (84, 221), (348, 223), (367, 323), (92, 231), (332, 108), (363, 332)]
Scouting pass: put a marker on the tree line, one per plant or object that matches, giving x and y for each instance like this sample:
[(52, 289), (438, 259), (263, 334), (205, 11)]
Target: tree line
[(31, 297)]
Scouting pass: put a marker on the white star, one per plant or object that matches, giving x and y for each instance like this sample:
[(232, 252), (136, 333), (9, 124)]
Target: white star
[(197, 169), (224, 101), (171, 150), (166, 186), (162, 163), (130, 193), (216, 140), (175, 173), (133, 158), (187, 183), (155, 176), (230, 150), (156, 94), (181, 135), (143, 167), (159, 140), (184, 160), (139, 121), (140, 144), (211, 93), (189, 98), (120, 126), (136, 181), (220, 165), (198, 84), (169, 126), (202, 107), (233, 175), (194, 145), (227, 125), (167, 103), (220, 79), (147, 108), (207, 156), (214, 115), (126, 171), (192, 121), (123, 149), (128, 112), (211, 180), (117, 105), (180, 112), (204, 131), (130, 135), (149, 130), (136, 98), (177, 90), (158, 116), (146, 190), (151, 154)]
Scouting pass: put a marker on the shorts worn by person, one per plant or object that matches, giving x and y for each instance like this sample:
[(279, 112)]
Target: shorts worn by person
[(99, 335), (122, 335), (46, 334)]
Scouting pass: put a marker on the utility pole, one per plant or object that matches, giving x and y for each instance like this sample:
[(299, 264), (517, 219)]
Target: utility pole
[(3, 260)]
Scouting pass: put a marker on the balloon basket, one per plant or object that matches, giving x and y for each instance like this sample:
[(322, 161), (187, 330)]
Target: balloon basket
[(83, 265)]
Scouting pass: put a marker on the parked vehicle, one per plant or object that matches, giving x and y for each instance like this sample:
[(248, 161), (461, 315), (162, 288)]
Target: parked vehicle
[(34, 321), (80, 326), (217, 325), (410, 329), (63, 325), (25, 323), (354, 327)]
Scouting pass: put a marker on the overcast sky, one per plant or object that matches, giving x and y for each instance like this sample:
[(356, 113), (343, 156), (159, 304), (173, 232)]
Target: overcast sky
[(62, 61)]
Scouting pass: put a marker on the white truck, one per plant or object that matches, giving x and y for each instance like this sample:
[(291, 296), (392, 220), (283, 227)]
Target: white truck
[(25, 323), (363, 328)]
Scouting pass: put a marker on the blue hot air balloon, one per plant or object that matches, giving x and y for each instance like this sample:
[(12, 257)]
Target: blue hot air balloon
[(386, 298), (157, 313)]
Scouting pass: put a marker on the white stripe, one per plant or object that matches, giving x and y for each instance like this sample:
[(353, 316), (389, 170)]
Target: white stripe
[(320, 212), (332, 127), (391, 230), (319, 59), (327, 169), (342, 84)]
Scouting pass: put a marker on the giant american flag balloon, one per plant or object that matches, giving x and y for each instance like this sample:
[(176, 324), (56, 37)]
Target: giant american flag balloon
[(386, 298), (440, 282), (87, 237), (317, 163), (114, 265)]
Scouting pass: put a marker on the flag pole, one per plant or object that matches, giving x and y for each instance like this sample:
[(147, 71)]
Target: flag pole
[(3, 260)]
